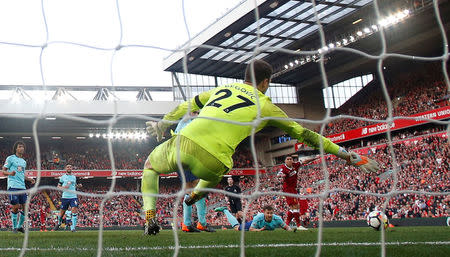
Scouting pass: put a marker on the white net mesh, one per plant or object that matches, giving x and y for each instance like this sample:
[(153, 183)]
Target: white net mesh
[(325, 189)]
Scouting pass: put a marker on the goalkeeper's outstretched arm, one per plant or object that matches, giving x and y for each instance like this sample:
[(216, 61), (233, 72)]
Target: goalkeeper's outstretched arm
[(314, 140)]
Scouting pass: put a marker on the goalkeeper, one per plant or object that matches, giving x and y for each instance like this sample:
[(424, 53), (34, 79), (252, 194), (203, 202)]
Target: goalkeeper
[(207, 145)]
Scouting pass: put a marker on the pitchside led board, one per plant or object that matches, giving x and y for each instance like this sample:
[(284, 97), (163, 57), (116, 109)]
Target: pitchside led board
[(122, 173)]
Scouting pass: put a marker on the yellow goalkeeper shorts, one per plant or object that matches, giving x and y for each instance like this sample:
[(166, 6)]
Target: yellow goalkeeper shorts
[(193, 157)]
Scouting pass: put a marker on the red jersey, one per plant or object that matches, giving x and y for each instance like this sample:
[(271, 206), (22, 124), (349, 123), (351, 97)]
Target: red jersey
[(42, 215), (291, 176)]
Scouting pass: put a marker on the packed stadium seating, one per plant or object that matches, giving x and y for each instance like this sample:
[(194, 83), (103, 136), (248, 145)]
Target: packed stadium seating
[(93, 154), (423, 165), (410, 93)]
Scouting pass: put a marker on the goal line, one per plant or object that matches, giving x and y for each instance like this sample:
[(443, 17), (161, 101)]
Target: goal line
[(119, 249)]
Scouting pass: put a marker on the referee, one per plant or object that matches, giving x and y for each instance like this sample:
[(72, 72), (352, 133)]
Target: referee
[(235, 202)]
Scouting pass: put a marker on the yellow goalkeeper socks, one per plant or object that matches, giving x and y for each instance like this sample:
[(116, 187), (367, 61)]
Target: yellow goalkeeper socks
[(150, 214), (149, 185)]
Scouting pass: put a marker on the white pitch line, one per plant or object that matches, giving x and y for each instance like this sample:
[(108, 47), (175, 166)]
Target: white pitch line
[(112, 249)]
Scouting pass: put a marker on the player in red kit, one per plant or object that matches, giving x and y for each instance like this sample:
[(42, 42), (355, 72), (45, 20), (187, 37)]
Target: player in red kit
[(288, 173), (304, 215), (43, 218)]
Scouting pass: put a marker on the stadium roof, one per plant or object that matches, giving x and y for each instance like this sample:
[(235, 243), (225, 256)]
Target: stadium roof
[(290, 24), (282, 22)]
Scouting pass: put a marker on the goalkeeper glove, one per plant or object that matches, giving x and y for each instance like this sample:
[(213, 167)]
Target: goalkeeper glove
[(363, 162), (360, 161), (157, 129)]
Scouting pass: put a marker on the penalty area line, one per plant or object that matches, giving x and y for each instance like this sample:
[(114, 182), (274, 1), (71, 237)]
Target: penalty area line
[(119, 249)]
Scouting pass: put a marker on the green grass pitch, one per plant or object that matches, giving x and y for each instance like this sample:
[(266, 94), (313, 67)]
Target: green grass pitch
[(401, 241)]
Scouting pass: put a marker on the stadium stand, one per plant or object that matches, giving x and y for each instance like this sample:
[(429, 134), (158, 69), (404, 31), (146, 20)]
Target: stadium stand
[(421, 153), (94, 155), (422, 156), (411, 93)]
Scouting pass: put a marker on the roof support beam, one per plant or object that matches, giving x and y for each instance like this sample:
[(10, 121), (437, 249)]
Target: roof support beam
[(269, 36), (177, 81), (19, 95), (62, 93), (144, 95), (103, 94), (293, 20), (330, 3)]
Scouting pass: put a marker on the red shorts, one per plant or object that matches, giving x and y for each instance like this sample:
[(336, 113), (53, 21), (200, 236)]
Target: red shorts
[(291, 200), (303, 206)]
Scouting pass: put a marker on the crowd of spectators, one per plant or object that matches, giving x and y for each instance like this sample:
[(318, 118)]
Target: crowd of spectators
[(396, 136), (87, 154), (410, 93), (94, 155), (421, 166), (120, 210), (37, 201)]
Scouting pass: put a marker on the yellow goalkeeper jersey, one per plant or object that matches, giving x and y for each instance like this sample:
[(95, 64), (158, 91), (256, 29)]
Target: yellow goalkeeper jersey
[(228, 114)]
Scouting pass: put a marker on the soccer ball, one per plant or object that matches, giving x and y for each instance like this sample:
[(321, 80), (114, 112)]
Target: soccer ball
[(376, 219)]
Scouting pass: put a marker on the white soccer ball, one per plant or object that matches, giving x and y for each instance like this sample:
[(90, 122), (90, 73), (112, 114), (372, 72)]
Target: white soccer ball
[(376, 219)]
